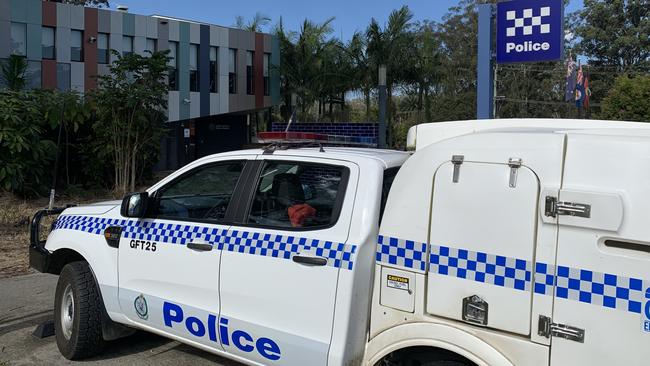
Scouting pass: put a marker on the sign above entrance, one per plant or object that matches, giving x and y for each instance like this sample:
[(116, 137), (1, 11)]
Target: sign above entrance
[(529, 31)]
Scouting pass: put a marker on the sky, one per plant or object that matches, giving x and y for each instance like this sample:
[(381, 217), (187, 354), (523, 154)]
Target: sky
[(351, 15)]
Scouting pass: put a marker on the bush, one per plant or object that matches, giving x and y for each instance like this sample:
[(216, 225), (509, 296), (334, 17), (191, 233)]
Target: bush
[(628, 100), (25, 155)]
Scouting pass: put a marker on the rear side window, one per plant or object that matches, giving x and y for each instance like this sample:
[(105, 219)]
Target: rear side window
[(297, 195), (389, 177), (201, 194)]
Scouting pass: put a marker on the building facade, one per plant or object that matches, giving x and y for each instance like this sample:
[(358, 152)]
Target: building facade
[(222, 81)]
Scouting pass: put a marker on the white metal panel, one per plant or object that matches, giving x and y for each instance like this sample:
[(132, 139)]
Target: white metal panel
[(77, 17), (195, 104), (173, 106), (428, 133), (483, 233), (152, 27), (174, 30), (139, 45), (63, 15), (116, 22), (62, 43), (195, 33), (298, 300), (599, 289), (115, 43), (214, 104), (141, 25)]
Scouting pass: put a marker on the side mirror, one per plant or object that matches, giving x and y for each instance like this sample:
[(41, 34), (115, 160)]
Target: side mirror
[(135, 205)]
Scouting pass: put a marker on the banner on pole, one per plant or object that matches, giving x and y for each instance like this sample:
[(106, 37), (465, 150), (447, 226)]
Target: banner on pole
[(529, 31)]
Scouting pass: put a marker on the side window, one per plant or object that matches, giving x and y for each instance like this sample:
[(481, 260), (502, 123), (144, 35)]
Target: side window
[(389, 177), (298, 195), (202, 194)]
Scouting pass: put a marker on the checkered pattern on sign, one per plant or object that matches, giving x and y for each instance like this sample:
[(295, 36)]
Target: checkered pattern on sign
[(603, 289), (339, 255), (481, 267), (528, 22), (400, 252)]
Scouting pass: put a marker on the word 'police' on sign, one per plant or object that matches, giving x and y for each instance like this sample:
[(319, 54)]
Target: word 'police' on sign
[(529, 31)]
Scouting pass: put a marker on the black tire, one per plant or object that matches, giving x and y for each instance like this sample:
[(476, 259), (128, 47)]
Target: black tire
[(79, 330), (444, 363)]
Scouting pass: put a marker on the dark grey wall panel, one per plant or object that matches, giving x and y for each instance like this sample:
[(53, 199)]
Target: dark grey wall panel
[(204, 69)]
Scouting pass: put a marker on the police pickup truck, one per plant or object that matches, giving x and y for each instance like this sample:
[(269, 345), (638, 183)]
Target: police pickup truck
[(505, 242)]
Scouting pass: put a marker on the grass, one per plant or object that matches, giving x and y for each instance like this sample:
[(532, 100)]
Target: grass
[(15, 215)]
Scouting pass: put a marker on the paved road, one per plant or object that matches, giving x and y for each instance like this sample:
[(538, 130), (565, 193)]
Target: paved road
[(27, 301)]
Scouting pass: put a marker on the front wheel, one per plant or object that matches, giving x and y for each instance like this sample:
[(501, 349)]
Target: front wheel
[(78, 312)]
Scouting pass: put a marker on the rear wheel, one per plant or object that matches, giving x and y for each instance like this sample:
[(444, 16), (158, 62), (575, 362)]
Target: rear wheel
[(77, 312)]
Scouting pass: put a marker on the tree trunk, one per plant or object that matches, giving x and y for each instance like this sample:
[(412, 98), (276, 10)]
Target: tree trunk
[(367, 95)]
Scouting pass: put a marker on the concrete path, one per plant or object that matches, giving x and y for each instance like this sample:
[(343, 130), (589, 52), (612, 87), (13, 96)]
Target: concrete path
[(27, 301)]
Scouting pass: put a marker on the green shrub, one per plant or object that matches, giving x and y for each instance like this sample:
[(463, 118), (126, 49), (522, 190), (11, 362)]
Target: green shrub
[(628, 100)]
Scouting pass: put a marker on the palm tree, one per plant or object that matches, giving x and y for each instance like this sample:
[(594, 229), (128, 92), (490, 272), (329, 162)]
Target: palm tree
[(254, 25), (389, 46)]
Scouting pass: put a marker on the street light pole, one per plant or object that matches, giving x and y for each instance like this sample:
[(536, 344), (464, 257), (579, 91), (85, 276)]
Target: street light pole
[(381, 139)]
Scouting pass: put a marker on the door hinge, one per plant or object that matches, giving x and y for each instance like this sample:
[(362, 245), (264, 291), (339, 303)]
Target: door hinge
[(514, 164), (546, 328), (457, 160), (553, 208)]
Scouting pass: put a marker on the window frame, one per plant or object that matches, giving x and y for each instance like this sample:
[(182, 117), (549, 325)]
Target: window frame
[(232, 76), (252, 182), (43, 30), (131, 40), (82, 49), (234, 199), (250, 72), (23, 26), (104, 51)]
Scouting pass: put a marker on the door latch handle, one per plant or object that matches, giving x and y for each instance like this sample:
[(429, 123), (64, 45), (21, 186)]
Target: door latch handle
[(309, 260), (202, 247)]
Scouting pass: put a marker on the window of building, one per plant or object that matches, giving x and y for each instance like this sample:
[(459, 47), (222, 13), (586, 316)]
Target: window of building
[(172, 64), (33, 75), (267, 78), (151, 46), (18, 39), (47, 43), (250, 76), (232, 71), (203, 194), (194, 67), (214, 70), (102, 48), (298, 195), (76, 45), (63, 76), (127, 45)]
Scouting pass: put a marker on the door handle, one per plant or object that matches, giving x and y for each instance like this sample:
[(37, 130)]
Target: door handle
[(202, 247), (309, 260)]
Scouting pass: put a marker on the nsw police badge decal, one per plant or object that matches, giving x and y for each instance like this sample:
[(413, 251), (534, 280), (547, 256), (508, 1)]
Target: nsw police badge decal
[(140, 305)]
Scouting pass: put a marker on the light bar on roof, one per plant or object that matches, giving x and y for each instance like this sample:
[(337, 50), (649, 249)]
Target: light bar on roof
[(307, 137)]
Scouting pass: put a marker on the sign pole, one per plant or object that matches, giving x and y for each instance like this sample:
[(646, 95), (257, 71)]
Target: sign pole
[(485, 75)]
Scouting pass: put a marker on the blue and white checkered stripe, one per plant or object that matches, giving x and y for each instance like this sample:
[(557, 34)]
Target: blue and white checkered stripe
[(339, 255), (403, 253), (582, 285), (602, 289), (481, 267)]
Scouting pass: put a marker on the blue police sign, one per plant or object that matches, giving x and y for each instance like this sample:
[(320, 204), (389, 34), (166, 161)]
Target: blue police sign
[(530, 31)]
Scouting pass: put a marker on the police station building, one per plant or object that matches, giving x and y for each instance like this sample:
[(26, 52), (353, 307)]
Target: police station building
[(222, 81)]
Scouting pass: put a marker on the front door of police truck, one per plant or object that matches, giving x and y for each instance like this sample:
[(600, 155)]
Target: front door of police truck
[(169, 263), (279, 269)]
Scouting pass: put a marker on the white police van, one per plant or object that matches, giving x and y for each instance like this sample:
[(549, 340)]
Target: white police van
[(505, 242)]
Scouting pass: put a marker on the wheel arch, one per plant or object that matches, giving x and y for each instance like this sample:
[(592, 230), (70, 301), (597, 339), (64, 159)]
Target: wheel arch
[(434, 336)]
